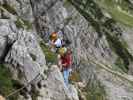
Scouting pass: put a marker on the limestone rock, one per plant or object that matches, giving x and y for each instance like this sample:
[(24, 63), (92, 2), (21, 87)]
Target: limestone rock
[(20, 48), (55, 89)]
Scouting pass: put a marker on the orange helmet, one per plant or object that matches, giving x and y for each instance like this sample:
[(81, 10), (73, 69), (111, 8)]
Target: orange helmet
[(54, 36)]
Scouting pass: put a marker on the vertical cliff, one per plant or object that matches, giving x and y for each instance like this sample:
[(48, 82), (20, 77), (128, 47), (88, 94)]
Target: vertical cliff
[(100, 33), (97, 32)]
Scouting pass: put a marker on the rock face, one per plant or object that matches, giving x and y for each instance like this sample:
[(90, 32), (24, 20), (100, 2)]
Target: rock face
[(55, 89), (20, 48), (20, 8), (65, 17), (20, 51), (90, 40), (94, 34)]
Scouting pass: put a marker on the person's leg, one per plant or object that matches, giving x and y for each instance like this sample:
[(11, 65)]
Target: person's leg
[(59, 62), (66, 76)]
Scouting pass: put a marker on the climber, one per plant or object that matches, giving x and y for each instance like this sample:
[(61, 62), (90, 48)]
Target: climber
[(55, 42), (2, 98), (61, 53), (64, 62)]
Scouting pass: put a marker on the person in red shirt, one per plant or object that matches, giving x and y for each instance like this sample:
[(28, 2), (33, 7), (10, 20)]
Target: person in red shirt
[(65, 61)]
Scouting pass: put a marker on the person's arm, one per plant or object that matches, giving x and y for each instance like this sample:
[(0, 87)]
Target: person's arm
[(71, 60), (65, 64), (52, 43), (59, 62)]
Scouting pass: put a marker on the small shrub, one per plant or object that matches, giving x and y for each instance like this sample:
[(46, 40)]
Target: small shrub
[(50, 56), (119, 49), (19, 24), (6, 84), (27, 24), (95, 91), (120, 65)]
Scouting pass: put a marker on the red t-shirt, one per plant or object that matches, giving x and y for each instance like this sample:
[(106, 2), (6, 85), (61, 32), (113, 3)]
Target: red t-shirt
[(67, 59)]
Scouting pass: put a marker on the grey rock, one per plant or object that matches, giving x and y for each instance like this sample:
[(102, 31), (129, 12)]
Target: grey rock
[(22, 49), (54, 87), (86, 42)]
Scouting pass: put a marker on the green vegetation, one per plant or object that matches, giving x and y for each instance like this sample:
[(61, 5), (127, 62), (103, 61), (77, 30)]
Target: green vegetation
[(124, 43), (120, 66), (123, 4), (21, 23), (6, 83), (50, 56), (119, 47), (9, 9), (121, 17), (66, 3), (111, 7), (27, 24), (95, 91)]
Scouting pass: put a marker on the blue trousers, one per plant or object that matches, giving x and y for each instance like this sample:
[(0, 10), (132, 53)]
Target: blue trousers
[(66, 76)]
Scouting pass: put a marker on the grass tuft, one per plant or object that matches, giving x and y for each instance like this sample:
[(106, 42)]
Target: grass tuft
[(6, 83), (95, 91), (21, 23), (50, 56)]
